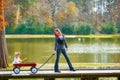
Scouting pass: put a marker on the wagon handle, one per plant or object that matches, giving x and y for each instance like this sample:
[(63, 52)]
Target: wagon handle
[(24, 59), (46, 61)]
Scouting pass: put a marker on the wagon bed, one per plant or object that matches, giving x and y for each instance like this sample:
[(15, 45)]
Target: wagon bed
[(24, 64), (17, 66)]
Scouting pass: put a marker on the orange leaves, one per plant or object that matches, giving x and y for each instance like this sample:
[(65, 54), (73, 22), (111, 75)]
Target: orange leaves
[(2, 4), (1, 25), (1, 17), (2, 22)]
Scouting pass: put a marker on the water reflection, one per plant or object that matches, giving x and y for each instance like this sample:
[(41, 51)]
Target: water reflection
[(93, 45), (94, 48), (99, 49)]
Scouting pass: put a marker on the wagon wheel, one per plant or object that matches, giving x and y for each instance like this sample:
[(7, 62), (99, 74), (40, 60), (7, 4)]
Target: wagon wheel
[(16, 70), (34, 70)]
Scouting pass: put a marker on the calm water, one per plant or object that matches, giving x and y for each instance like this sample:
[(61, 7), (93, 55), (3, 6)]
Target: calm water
[(81, 50)]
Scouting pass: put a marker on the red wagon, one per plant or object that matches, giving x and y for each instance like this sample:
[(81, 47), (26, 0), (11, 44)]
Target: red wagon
[(33, 69), (17, 66)]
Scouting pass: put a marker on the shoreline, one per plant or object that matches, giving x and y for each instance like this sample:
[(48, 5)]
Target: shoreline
[(67, 36)]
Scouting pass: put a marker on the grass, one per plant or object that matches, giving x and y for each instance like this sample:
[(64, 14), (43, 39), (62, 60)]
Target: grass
[(96, 64), (68, 36)]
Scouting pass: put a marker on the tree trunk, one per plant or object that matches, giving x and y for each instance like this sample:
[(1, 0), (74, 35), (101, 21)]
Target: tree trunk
[(53, 4), (17, 14), (3, 51), (3, 46), (54, 20)]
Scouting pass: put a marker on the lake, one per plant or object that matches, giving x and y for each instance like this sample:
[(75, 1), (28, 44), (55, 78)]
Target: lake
[(80, 50)]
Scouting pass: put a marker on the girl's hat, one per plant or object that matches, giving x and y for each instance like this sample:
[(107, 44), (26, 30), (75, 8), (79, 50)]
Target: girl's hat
[(17, 53)]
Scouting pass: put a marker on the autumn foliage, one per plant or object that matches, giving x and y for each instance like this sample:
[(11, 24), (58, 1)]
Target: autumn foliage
[(2, 22)]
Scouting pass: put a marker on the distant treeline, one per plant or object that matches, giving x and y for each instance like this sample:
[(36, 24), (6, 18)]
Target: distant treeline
[(34, 27)]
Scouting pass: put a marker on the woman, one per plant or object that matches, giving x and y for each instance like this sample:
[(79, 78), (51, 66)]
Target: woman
[(61, 47)]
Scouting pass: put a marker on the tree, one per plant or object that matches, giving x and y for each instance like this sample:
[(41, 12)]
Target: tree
[(71, 13), (3, 46), (109, 28), (57, 13), (21, 4), (54, 7)]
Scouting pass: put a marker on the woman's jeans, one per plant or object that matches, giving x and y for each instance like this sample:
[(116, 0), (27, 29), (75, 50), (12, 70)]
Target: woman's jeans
[(63, 51)]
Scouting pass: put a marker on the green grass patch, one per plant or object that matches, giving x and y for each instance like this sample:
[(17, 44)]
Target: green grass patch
[(68, 36)]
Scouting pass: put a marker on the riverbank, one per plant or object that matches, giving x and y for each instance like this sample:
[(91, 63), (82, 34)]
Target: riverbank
[(68, 36)]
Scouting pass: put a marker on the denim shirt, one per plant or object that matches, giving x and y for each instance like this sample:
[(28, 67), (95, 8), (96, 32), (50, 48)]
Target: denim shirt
[(60, 43)]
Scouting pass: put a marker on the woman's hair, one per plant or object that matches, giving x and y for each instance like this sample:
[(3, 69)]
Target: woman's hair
[(59, 32)]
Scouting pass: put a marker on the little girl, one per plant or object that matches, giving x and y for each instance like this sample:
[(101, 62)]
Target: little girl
[(17, 58)]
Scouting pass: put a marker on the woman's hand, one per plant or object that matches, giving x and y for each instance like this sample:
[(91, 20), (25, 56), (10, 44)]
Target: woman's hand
[(54, 52), (66, 49)]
